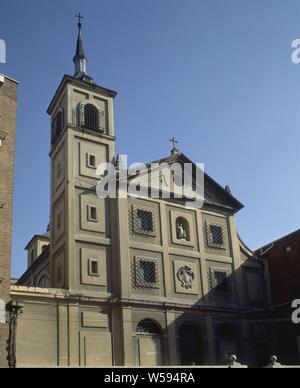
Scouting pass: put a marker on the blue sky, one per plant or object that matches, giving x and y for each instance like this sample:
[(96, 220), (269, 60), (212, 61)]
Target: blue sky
[(216, 74)]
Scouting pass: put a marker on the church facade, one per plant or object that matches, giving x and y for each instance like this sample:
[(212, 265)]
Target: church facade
[(137, 280)]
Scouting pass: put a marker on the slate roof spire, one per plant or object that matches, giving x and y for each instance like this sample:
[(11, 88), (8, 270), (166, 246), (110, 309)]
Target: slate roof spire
[(80, 59)]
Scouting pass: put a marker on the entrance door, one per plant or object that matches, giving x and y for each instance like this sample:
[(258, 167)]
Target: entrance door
[(190, 345)]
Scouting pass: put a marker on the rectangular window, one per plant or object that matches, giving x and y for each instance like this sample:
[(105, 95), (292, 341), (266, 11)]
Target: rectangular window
[(216, 233), (91, 160), (219, 281), (92, 214), (93, 267), (147, 271)]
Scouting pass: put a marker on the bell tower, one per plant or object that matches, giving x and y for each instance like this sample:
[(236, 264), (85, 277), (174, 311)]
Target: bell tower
[(82, 137)]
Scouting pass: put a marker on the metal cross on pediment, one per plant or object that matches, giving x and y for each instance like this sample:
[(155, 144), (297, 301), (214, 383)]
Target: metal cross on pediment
[(174, 141)]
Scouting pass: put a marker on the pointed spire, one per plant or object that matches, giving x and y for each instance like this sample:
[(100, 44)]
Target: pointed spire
[(80, 59)]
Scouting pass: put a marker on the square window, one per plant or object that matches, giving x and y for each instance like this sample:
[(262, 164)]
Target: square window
[(91, 160), (93, 267), (92, 214), (145, 273), (144, 221)]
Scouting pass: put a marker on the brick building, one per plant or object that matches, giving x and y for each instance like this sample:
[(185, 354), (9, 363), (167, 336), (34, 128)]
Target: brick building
[(8, 105), (283, 256)]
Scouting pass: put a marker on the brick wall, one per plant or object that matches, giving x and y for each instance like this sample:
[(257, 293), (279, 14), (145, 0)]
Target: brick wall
[(8, 98)]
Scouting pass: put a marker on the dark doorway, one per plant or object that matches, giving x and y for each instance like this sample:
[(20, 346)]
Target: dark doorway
[(190, 344), (262, 354)]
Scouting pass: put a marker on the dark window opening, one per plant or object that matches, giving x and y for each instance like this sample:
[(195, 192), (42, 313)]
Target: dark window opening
[(93, 213), (94, 268), (147, 271), (148, 327), (91, 161), (145, 221), (91, 116), (221, 281), (216, 235)]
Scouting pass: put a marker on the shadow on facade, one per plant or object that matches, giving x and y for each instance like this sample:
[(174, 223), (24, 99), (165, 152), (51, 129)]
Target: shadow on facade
[(220, 324)]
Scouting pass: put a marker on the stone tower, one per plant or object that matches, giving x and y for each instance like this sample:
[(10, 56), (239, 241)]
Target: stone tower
[(82, 136)]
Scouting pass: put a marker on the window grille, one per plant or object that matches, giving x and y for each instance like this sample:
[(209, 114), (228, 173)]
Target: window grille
[(143, 221), (218, 280), (148, 327), (215, 236), (89, 116), (145, 273)]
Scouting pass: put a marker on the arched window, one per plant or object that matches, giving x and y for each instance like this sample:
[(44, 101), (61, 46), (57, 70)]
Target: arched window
[(149, 342), (148, 327), (183, 229), (91, 117), (43, 282)]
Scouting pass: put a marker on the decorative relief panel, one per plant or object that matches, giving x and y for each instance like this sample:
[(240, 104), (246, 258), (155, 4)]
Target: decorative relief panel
[(59, 168), (58, 218), (59, 270), (186, 277)]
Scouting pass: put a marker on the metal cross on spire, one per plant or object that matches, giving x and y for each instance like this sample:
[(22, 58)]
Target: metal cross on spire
[(79, 17)]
